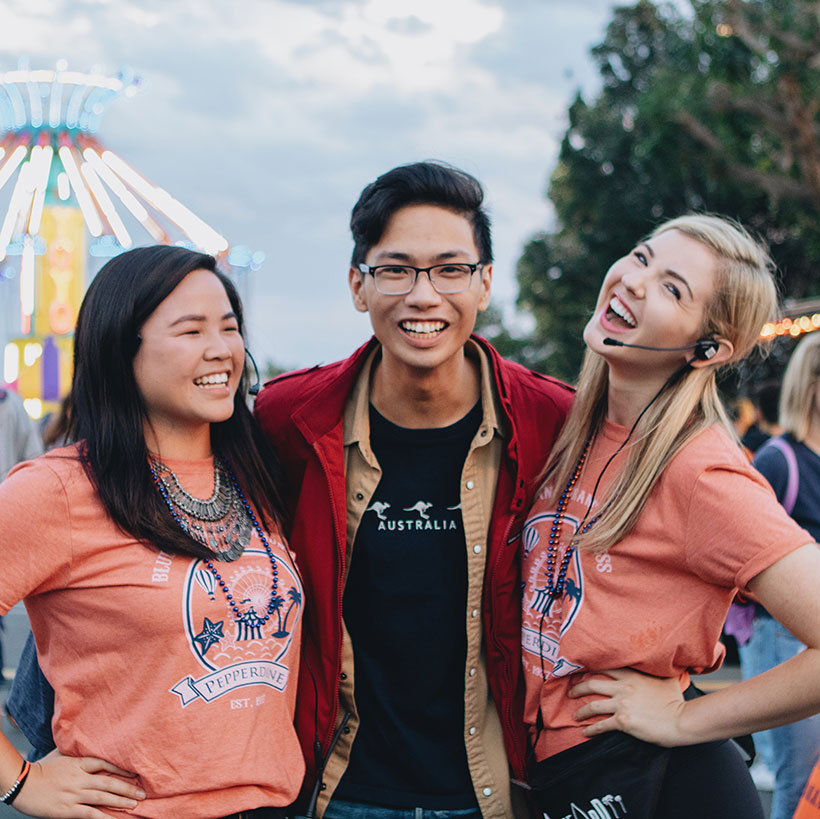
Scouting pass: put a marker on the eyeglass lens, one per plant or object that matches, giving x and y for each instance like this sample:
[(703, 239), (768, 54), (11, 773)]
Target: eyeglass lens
[(445, 278)]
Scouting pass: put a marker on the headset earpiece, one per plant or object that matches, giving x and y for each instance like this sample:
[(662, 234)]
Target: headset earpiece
[(705, 348)]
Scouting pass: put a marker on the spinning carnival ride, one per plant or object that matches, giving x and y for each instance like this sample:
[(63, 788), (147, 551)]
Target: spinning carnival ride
[(71, 199)]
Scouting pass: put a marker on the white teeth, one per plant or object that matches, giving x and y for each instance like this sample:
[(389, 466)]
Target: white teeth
[(619, 309), (217, 378), (423, 326)]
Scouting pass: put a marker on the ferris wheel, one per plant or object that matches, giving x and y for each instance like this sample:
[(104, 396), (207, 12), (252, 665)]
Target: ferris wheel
[(70, 198)]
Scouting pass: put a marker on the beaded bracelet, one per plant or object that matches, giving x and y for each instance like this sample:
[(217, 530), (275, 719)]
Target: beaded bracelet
[(11, 794)]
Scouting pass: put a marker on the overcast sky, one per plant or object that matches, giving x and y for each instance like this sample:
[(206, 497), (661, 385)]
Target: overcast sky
[(268, 117)]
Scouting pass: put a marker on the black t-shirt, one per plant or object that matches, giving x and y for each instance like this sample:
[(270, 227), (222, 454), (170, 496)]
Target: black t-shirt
[(405, 610)]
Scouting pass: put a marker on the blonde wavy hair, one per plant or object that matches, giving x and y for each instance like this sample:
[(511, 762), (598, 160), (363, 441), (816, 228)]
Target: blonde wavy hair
[(798, 396), (745, 298)]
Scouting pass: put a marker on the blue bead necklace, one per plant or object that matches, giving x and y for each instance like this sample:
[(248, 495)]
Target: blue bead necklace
[(249, 618), (555, 590)]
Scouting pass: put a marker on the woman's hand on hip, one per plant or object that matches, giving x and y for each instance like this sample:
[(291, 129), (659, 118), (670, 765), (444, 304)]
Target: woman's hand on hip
[(649, 708), (67, 787)]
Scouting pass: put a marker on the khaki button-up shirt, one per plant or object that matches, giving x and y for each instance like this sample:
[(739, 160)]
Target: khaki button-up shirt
[(482, 729)]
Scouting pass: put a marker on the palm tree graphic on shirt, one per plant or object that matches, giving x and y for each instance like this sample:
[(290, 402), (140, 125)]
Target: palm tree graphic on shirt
[(295, 598)]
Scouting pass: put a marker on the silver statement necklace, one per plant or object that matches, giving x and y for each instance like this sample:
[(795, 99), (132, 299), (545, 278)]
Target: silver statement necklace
[(220, 523)]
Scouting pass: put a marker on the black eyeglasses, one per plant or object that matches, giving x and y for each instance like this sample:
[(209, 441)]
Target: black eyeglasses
[(399, 279)]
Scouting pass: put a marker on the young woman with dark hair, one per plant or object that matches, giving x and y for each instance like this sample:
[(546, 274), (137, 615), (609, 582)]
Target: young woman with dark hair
[(165, 604), (649, 521)]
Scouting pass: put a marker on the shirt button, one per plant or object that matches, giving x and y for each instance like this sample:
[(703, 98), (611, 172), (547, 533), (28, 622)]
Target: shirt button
[(359, 496), (487, 791), (474, 613), (469, 484), (472, 672), (342, 676), (477, 549), (472, 731)]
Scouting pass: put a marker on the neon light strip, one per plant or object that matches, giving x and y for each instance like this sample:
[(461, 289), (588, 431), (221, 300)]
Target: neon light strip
[(106, 205), (17, 105), (124, 195), (55, 105), (92, 218), (11, 363), (75, 104), (43, 173), (19, 198), (198, 231), (27, 198), (35, 104), (27, 277), (12, 162)]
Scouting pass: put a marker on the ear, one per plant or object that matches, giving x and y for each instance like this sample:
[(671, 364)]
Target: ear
[(355, 279), (724, 353), (486, 283)]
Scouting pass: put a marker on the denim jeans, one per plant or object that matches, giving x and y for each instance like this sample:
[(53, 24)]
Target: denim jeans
[(31, 702), (337, 809), (793, 749)]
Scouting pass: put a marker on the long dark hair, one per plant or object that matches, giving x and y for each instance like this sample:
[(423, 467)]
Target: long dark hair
[(108, 412)]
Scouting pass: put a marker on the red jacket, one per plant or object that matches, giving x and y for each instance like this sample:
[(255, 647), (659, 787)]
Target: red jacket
[(301, 413)]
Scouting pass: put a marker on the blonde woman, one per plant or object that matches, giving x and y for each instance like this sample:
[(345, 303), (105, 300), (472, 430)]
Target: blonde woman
[(791, 464), (649, 521)]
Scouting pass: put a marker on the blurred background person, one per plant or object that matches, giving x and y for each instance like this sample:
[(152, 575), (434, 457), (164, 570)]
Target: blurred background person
[(791, 464), (19, 441), (756, 422), (765, 424)]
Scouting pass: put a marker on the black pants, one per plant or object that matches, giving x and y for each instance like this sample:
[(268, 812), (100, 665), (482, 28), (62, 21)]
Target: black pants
[(616, 775), (260, 813), (709, 781)]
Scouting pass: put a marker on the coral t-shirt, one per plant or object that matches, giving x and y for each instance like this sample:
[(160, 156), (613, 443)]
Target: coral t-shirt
[(151, 671), (657, 600)]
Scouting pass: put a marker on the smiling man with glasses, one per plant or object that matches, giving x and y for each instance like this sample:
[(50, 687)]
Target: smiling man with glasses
[(411, 461), (407, 467)]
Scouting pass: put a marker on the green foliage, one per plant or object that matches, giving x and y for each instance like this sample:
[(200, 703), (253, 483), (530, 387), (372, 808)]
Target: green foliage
[(709, 109)]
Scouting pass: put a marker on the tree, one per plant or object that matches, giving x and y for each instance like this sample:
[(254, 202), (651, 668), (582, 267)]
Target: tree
[(714, 110)]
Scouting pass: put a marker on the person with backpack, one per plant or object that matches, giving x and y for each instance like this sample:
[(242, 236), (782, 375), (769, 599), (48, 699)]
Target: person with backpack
[(791, 464)]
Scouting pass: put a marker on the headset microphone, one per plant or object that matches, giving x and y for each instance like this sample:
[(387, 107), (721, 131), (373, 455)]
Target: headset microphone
[(703, 348), (254, 388)]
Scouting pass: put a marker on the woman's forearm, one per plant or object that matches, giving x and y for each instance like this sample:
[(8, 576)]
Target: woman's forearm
[(786, 693)]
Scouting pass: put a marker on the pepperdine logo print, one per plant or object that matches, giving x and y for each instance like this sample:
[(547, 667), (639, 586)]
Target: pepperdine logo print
[(238, 654), (418, 517), (546, 619)]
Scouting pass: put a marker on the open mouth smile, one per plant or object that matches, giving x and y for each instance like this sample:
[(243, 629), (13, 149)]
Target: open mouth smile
[(213, 380), (423, 329), (619, 314)]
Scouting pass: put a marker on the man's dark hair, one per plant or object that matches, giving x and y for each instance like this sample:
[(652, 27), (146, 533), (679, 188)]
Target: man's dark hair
[(420, 183), (108, 412)]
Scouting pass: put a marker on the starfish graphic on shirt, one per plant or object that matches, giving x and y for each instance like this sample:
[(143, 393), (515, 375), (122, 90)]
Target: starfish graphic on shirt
[(210, 635)]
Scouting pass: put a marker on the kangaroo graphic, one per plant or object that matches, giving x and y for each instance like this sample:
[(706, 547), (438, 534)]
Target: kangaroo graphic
[(421, 507), (379, 507)]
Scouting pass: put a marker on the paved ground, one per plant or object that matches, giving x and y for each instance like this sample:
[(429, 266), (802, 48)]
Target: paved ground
[(16, 629)]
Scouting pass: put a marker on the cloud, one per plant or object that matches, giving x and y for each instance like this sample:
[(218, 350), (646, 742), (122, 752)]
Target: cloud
[(267, 117)]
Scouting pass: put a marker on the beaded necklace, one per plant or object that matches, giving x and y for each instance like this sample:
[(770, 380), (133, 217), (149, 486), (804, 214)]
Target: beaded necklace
[(249, 618), (555, 590)]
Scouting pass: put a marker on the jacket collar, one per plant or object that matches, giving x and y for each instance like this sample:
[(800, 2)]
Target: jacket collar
[(324, 405)]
